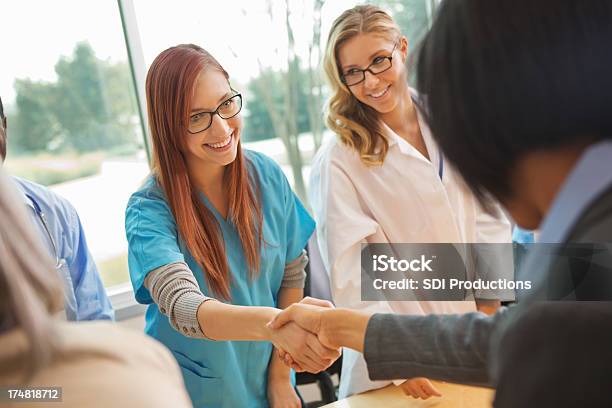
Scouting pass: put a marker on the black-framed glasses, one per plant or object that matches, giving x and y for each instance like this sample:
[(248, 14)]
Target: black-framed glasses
[(200, 121), (380, 64)]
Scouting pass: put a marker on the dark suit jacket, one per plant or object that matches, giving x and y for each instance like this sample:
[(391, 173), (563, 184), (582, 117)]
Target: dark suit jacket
[(530, 352)]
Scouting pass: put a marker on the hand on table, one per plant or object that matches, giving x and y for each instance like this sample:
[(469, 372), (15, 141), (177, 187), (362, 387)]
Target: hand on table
[(419, 387)]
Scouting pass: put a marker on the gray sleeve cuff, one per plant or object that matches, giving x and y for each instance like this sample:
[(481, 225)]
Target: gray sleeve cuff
[(176, 292), (295, 276)]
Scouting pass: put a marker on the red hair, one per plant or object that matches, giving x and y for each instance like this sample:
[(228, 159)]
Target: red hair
[(170, 83)]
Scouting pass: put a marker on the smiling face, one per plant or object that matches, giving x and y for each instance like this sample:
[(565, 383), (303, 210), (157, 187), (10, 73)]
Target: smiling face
[(382, 91), (217, 145)]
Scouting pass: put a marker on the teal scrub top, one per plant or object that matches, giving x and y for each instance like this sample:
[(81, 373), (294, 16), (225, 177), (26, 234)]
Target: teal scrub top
[(219, 373)]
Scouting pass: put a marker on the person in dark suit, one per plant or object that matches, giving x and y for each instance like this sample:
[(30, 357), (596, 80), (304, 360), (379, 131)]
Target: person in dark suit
[(518, 96)]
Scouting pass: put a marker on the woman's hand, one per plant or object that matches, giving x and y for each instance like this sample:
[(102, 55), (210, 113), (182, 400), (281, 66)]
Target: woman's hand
[(419, 387), (281, 393), (304, 348), (308, 315)]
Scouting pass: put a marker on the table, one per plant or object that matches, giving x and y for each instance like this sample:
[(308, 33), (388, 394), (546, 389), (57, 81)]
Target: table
[(453, 395)]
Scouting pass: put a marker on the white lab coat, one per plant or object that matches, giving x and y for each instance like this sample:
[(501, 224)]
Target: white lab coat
[(402, 201)]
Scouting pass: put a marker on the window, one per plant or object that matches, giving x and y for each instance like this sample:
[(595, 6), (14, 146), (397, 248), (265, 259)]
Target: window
[(73, 122), (276, 66)]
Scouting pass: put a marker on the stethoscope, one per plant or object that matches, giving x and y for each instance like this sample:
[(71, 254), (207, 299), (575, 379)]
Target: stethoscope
[(43, 221)]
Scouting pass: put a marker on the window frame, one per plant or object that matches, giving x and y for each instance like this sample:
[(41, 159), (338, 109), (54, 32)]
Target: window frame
[(122, 296)]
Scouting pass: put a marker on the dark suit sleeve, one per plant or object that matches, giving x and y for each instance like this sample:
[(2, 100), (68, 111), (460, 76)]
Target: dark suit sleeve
[(555, 354), (443, 347)]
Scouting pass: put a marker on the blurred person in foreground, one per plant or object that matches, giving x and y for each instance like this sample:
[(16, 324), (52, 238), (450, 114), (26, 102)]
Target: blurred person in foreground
[(96, 364)]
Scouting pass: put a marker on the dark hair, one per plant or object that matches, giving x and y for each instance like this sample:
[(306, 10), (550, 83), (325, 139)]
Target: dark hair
[(1, 109), (507, 77)]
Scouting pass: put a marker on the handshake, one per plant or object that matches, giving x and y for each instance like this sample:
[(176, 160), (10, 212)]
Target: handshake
[(308, 336), (302, 335)]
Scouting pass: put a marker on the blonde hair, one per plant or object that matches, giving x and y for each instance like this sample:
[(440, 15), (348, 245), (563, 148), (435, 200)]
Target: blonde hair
[(356, 124), (30, 290)]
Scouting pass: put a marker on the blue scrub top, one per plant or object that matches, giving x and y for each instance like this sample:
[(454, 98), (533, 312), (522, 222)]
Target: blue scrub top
[(84, 295), (219, 373)]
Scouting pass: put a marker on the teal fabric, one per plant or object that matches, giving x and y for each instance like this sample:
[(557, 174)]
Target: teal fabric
[(522, 236), (522, 240), (223, 373)]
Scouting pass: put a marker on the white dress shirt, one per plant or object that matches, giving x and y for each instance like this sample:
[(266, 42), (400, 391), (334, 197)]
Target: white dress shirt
[(402, 201)]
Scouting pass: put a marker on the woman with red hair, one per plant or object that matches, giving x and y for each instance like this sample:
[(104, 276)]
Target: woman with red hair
[(214, 221)]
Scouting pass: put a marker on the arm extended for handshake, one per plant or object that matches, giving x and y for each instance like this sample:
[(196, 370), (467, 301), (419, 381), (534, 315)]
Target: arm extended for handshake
[(445, 347), (175, 290)]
